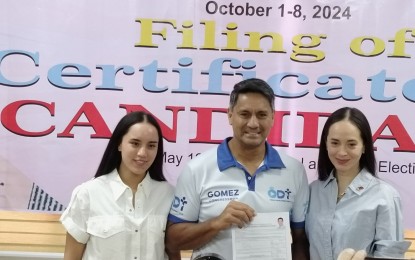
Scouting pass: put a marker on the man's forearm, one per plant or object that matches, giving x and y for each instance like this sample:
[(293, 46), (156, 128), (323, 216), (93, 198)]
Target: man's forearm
[(300, 246), (189, 236), (300, 251)]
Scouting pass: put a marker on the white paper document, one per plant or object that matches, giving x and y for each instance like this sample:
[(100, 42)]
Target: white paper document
[(267, 237)]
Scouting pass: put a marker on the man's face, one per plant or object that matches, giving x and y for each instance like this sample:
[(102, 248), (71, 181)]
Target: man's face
[(251, 118)]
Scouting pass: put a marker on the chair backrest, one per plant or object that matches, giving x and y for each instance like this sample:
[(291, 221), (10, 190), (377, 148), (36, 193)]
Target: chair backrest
[(31, 232), (410, 236)]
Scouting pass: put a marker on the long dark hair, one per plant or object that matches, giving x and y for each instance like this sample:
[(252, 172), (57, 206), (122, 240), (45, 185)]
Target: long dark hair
[(358, 119), (112, 157)]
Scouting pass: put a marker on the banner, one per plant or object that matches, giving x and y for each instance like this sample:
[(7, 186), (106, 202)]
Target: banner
[(69, 70)]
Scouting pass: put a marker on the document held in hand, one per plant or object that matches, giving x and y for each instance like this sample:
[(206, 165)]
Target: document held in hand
[(267, 237)]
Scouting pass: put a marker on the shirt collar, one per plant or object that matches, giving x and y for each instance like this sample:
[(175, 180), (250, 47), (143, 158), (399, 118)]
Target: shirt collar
[(118, 187), (226, 159), (360, 183), (329, 179)]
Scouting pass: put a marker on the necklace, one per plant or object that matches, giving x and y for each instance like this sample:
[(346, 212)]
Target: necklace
[(340, 196)]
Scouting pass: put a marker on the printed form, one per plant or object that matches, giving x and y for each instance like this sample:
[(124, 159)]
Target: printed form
[(267, 237)]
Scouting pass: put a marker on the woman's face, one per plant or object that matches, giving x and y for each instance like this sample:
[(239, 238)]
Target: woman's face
[(345, 147), (138, 149)]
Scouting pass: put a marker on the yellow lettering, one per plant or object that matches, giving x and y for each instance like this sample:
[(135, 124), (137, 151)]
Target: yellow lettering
[(146, 36), (378, 46), (399, 43), (303, 53)]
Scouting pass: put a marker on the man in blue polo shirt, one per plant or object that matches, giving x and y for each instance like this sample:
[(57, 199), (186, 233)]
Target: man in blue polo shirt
[(226, 186)]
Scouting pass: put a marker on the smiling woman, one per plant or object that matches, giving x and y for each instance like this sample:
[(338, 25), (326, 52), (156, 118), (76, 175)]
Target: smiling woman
[(127, 202), (350, 207)]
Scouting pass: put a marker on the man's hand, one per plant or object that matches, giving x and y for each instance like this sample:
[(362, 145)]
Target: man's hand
[(184, 236), (351, 254), (235, 213)]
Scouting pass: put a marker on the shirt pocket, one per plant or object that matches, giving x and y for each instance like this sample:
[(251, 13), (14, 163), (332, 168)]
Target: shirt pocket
[(105, 226), (108, 237)]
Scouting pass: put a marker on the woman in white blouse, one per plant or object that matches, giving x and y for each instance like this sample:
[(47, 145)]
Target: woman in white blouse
[(349, 206), (122, 212)]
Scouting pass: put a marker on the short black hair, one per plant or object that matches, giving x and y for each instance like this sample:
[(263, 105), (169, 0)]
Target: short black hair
[(112, 157), (253, 85)]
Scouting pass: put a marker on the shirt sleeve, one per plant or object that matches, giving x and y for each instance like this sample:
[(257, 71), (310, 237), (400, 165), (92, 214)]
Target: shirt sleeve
[(186, 202), (301, 199), (74, 218), (389, 236)]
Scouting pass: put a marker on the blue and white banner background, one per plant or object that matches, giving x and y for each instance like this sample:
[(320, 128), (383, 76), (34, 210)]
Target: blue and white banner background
[(69, 70)]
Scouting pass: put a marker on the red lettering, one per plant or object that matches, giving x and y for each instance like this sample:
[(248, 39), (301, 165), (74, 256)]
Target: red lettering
[(398, 133), (9, 116), (275, 134), (95, 121), (170, 134), (310, 129), (204, 124)]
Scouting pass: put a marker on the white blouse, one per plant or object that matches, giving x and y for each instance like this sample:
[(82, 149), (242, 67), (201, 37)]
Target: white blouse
[(101, 215)]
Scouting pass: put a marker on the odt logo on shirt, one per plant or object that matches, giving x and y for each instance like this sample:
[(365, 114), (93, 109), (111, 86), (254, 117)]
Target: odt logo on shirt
[(179, 203), (222, 195), (277, 194)]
